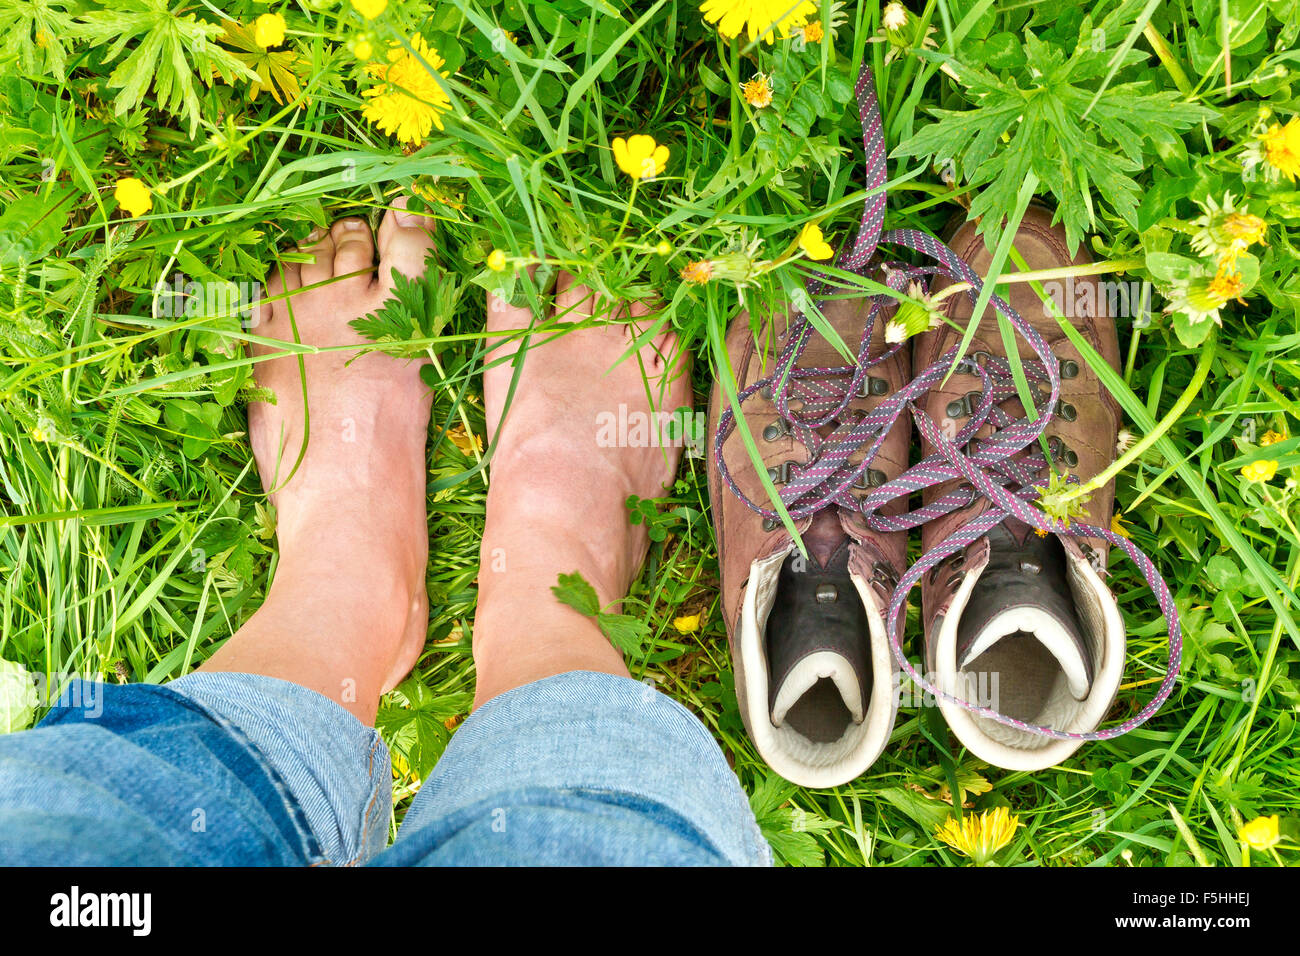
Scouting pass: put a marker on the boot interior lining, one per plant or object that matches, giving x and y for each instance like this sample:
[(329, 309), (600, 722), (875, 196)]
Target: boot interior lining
[(820, 714)]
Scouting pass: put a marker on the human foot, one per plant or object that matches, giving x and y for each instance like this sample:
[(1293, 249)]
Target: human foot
[(351, 518), (557, 499)]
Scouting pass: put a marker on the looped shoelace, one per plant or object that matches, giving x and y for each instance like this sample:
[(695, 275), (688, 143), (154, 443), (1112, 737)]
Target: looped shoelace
[(988, 466)]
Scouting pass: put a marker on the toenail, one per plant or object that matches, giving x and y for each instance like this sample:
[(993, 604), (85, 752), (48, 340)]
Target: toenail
[(315, 235), (353, 225), (409, 219)]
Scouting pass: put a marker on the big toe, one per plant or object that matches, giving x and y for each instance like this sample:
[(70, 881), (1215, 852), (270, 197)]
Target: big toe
[(405, 240)]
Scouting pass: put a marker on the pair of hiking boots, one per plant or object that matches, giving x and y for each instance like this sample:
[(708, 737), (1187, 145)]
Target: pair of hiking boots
[(1017, 622)]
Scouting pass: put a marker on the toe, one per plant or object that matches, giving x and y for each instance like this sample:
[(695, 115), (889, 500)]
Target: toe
[(405, 239), (320, 245), (354, 250), (504, 316), (573, 301), (285, 279)]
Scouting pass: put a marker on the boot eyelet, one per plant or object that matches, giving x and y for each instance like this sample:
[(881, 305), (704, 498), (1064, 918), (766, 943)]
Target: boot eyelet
[(1069, 368), (1070, 457), (780, 475), (958, 408), (766, 393), (968, 492), (871, 478), (873, 386), (776, 430), (770, 524), (1067, 411)]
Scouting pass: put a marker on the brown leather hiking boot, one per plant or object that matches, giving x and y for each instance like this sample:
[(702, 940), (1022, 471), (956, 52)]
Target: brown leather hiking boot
[(815, 678), (1018, 620)]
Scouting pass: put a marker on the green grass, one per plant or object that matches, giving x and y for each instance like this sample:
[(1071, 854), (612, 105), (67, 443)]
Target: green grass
[(134, 537)]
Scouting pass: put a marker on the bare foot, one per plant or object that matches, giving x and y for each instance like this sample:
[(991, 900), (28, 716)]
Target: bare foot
[(351, 519), (556, 501)]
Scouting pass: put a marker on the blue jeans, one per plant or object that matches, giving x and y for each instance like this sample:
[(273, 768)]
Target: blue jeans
[(237, 769)]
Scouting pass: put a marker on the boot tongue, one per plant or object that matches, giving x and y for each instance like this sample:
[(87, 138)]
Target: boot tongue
[(817, 638), (825, 536), (1021, 592)]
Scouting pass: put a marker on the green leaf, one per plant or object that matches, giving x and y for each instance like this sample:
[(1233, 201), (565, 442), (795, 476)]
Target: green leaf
[(625, 632), (169, 51), (1167, 267), (574, 591)]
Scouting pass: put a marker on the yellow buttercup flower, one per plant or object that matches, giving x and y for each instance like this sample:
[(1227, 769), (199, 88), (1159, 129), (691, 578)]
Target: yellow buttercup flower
[(757, 18), (409, 102), (268, 30), (1270, 437), (1282, 148), (1260, 470), (758, 91), (979, 836), (1260, 833), (814, 243), (640, 156), (1117, 525), (688, 623), (362, 49), (369, 8), (496, 260), (133, 196)]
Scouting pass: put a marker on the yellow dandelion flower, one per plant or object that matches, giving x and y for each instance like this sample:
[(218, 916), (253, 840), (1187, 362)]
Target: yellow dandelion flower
[(1282, 148), (812, 242), (409, 102), (894, 16), (496, 260), (1227, 284), (1260, 470), (640, 156), (1117, 525), (369, 8), (699, 272), (1260, 833), (813, 32), (758, 91), (1245, 228), (979, 836), (1270, 437), (757, 18), (268, 30), (133, 196), (467, 442), (688, 623)]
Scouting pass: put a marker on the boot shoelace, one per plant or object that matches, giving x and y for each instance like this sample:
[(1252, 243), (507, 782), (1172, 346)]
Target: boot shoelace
[(987, 466)]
